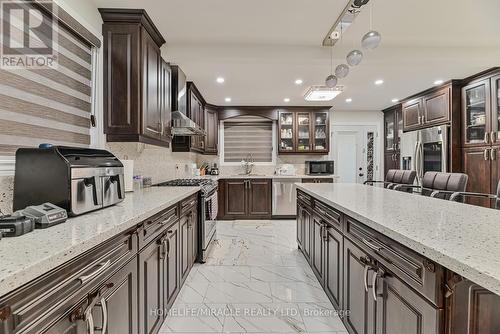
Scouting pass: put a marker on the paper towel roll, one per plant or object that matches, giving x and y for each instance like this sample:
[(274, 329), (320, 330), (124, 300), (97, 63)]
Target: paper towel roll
[(128, 171)]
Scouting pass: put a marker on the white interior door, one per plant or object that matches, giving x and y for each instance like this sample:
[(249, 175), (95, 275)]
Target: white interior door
[(355, 153)]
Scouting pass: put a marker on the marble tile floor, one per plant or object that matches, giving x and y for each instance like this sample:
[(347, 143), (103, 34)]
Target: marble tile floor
[(254, 281)]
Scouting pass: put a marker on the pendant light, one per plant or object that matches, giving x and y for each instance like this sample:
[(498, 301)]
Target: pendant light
[(331, 80), (371, 40), (341, 71), (354, 57)]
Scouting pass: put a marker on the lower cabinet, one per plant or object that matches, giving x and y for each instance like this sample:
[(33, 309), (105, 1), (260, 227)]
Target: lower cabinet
[(245, 199), (333, 252), (304, 217), (317, 247), (124, 286)]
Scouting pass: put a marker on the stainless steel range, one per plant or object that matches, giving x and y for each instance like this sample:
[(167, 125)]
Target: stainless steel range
[(207, 210)]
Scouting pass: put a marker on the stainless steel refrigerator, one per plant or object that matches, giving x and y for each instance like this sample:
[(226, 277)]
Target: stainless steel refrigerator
[(425, 150)]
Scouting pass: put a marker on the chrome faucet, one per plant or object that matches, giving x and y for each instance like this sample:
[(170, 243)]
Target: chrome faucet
[(247, 164)]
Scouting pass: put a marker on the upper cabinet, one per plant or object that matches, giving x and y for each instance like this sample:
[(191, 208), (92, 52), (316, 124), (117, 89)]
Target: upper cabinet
[(432, 107), (393, 130), (212, 129), (481, 111), (303, 131), (137, 81)]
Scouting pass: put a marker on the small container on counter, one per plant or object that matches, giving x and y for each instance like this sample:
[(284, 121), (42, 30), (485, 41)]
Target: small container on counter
[(138, 182), (147, 181)]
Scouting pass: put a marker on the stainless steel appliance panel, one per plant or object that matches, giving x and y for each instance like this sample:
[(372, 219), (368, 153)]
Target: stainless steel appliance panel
[(284, 197), (112, 189), (86, 195)]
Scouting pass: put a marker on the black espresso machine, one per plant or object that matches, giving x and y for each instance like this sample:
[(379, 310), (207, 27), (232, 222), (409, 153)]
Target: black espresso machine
[(76, 179)]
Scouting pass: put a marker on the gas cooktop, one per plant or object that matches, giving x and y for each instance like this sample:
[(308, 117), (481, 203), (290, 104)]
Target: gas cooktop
[(206, 185)]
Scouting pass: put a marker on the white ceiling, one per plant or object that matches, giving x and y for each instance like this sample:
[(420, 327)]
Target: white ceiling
[(260, 46)]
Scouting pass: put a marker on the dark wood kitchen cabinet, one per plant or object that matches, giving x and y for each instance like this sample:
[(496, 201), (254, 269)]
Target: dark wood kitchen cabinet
[(393, 130), (303, 131), (435, 106), (304, 220), (212, 129), (245, 199), (136, 79), (171, 274), (317, 249), (478, 167), (333, 260), (188, 236)]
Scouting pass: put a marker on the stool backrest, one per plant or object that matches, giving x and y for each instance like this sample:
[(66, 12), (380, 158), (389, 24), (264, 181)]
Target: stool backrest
[(435, 181)]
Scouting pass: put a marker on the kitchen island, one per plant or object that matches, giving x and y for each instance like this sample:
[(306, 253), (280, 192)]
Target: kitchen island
[(400, 262), (103, 268)]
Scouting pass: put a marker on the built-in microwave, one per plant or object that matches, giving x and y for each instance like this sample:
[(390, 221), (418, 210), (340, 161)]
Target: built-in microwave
[(323, 167)]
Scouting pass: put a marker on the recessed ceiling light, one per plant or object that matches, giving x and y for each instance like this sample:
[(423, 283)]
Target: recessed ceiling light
[(220, 80), (348, 100), (286, 99), (227, 99), (395, 100), (299, 82), (438, 82), (379, 82)]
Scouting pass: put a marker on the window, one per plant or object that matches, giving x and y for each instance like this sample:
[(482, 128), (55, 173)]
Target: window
[(49, 104), (248, 135)]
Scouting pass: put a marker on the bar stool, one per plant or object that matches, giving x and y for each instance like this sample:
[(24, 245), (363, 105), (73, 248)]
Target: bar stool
[(439, 185), (459, 196), (395, 177)]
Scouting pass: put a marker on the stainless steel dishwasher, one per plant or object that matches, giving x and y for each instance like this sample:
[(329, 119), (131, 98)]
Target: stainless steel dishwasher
[(285, 196)]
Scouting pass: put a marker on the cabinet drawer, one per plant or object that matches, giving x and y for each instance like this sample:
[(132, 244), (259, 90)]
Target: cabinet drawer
[(423, 275), (329, 215), (304, 198), (188, 203), (37, 304), (157, 224)]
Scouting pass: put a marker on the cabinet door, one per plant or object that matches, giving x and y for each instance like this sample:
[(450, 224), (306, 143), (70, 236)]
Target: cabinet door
[(300, 226), (259, 198), (317, 247), (478, 166), (437, 107), (307, 218), (361, 319), (286, 132), (235, 198), (412, 112), (334, 250), (165, 99), (476, 113), (185, 245), (400, 310), (171, 275), (390, 131), (495, 109), (121, 302), (390, 161), (193, 236), (321, 131), (399, 127), (212, 128), (495, 170), (67, 325), (473, 310), (151, 265), (303, 134), (151, 115), (121, 79)]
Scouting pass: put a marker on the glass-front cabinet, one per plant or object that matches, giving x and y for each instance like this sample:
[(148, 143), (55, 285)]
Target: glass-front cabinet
[(320, 131), (389, 130), (476, 104), (495, 122), (286, 131), (302, 131)]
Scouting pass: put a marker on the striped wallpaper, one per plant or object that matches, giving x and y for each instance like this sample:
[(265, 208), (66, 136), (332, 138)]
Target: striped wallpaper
[(51, 105)]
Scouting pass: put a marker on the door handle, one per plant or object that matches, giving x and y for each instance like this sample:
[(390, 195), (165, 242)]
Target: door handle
[(374, 285), (485, 154), (493, 154), (365, 276), (493, 136), (486, 137)]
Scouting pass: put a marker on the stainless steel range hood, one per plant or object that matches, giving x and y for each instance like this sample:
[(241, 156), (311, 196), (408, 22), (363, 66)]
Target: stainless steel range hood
[(183, 126)]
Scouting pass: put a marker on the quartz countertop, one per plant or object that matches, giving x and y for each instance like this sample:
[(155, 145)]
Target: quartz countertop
[(272, 176), (24, 258), (461, 237)]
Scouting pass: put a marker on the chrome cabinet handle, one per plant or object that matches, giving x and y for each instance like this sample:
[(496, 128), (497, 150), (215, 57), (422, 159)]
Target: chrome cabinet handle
[(492, 154), (371, 245), (89, 320), (102, 267), (104, 308), (365, 276), (486, 137), (493, 136), (374, 285), (485, 154)]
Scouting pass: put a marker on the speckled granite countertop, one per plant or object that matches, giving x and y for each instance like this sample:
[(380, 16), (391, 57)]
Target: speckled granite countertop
[(461, 237), (26, 257), (257, 176)]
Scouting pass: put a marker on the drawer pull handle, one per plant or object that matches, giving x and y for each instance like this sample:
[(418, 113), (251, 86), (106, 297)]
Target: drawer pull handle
[(102, 267), (371, 245), (374, 285)]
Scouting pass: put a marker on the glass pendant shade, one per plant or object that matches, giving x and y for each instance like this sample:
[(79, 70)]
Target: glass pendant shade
[(331, 81), (354, 57), (341, 71), (371, 40)]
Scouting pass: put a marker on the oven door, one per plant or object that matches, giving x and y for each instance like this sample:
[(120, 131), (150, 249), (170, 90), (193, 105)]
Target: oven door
[(210, 208)]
